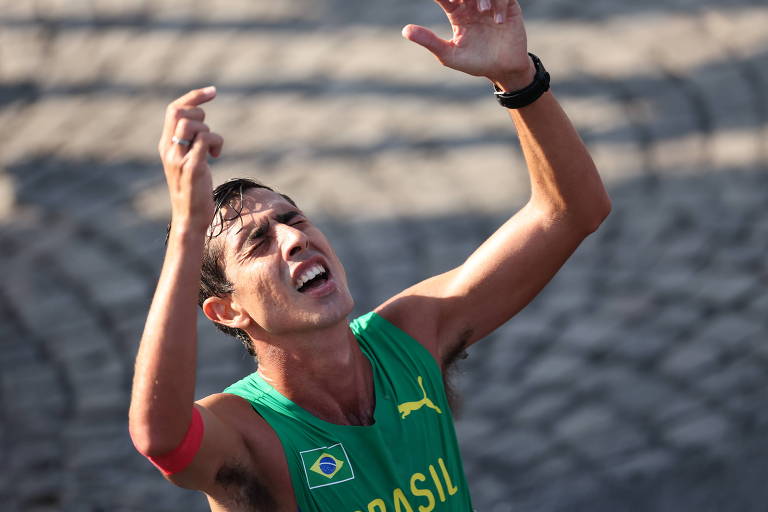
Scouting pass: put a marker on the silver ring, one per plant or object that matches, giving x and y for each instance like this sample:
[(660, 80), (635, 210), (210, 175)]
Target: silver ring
[(181, 142)]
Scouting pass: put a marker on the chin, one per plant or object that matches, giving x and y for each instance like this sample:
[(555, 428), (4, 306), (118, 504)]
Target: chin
[(314, 318), (339, 312)]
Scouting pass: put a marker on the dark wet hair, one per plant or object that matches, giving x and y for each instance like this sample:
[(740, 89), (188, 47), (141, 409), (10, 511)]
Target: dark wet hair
[(213, 278)]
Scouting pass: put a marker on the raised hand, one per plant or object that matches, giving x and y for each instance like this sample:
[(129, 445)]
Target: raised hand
[(184, 147), (488, 40)]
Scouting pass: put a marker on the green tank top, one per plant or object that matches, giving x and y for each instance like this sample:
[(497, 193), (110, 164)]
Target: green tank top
[(407, 461)]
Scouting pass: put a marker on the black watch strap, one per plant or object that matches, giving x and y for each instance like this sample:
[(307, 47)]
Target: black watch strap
[(526, 96)]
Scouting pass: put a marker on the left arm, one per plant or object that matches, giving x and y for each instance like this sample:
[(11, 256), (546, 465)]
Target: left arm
[(567, 202)]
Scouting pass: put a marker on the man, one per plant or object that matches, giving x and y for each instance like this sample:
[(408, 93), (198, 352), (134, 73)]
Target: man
[(340, 416)]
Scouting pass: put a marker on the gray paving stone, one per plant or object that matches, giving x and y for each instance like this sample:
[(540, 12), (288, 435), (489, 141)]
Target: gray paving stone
[(552, 369), (642, 393), (699, 430), (612, 441), (583, 420), (16, 354), (554, 467), (90, 350), (586, 333), (541, 407), (475, 427), (39, 454), (689, 359), (678, 406), (508, 358), (35, 489), (519, 447), (733, 332), (723, 289), (645, 463), (682, 316), (729, 382)]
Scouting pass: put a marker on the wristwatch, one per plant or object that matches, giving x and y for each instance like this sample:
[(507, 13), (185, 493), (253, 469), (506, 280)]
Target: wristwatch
[(524, 97)]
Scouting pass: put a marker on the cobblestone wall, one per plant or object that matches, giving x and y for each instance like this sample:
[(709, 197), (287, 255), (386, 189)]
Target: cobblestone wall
[(634, 382)]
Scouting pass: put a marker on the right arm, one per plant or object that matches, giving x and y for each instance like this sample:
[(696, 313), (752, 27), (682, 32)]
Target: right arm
[(164, 380)]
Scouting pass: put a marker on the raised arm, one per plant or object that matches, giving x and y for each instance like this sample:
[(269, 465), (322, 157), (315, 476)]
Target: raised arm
[(567, 202), (162, 399)]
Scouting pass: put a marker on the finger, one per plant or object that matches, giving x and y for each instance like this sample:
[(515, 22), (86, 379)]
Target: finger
[(185, 106), (194, 113), (185, 126), (174, 116), (196, 97), (204, 144), (448, 5), (426, 38), (215, 144), (514, 10), (483, 5), (500, 8), (187, 130)]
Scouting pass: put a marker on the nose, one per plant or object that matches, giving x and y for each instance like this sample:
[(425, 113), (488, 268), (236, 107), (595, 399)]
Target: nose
[(293, 240)]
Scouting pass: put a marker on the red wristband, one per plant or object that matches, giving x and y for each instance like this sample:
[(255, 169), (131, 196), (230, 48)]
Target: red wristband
[(182, 455)]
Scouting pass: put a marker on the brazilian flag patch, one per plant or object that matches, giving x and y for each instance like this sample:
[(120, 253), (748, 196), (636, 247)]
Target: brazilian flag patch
[(328, 465)]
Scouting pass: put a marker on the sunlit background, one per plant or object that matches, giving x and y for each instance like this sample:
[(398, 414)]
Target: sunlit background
[(635, 382)]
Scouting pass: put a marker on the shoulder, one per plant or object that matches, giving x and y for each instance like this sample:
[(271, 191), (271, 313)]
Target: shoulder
[(414, 316), (422, 311), (239, 416), (241, 463)]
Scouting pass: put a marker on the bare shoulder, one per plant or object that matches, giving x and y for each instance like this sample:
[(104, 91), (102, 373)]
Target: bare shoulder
[(240, 464), (229, 408), (416, 310), (257, 435)]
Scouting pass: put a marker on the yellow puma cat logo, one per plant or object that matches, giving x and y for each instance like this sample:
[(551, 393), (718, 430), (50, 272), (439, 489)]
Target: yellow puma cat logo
[(408, 407)]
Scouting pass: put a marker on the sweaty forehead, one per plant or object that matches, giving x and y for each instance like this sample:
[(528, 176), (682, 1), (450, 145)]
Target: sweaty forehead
[(254, 201), (240, 213)]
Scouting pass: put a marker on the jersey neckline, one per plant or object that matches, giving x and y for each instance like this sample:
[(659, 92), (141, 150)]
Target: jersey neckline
[(375, 374)]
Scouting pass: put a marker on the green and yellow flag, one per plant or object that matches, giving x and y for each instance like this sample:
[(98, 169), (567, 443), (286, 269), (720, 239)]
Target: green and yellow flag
[(326, 465)]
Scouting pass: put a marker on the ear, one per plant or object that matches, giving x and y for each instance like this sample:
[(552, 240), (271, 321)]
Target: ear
[(223, 310)]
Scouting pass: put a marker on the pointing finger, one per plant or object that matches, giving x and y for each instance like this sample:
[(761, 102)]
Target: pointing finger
[(194, 113), (175, 115), (177, 111), (196, 97)]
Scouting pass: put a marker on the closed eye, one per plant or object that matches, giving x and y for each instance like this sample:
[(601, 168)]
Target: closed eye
[(257, 243), (257, 237), (259, 247)]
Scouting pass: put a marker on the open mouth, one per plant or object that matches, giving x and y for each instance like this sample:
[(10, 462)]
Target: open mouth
[(314, 277)]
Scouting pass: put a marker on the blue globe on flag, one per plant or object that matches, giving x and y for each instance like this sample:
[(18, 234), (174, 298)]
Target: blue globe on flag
[(327, 465)]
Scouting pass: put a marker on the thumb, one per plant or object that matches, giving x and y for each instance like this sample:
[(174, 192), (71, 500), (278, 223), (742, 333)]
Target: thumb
[(426, 38)]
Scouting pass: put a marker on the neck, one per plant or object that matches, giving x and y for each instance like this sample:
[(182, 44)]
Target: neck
[(323, 371)]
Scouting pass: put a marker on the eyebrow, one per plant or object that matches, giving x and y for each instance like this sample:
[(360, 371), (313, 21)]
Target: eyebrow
[(284, 218), (263, 227)]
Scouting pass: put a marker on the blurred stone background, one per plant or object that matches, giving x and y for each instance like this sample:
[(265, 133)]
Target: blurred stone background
[(635, 382)]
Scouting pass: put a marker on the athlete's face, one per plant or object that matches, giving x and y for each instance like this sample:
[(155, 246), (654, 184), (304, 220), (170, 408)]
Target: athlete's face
[(285, 274)]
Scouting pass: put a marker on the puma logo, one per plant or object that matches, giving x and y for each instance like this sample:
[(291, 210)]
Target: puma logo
[(408, 407)]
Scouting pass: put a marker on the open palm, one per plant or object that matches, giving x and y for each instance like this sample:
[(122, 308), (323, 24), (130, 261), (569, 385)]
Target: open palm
[(489, 42)]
